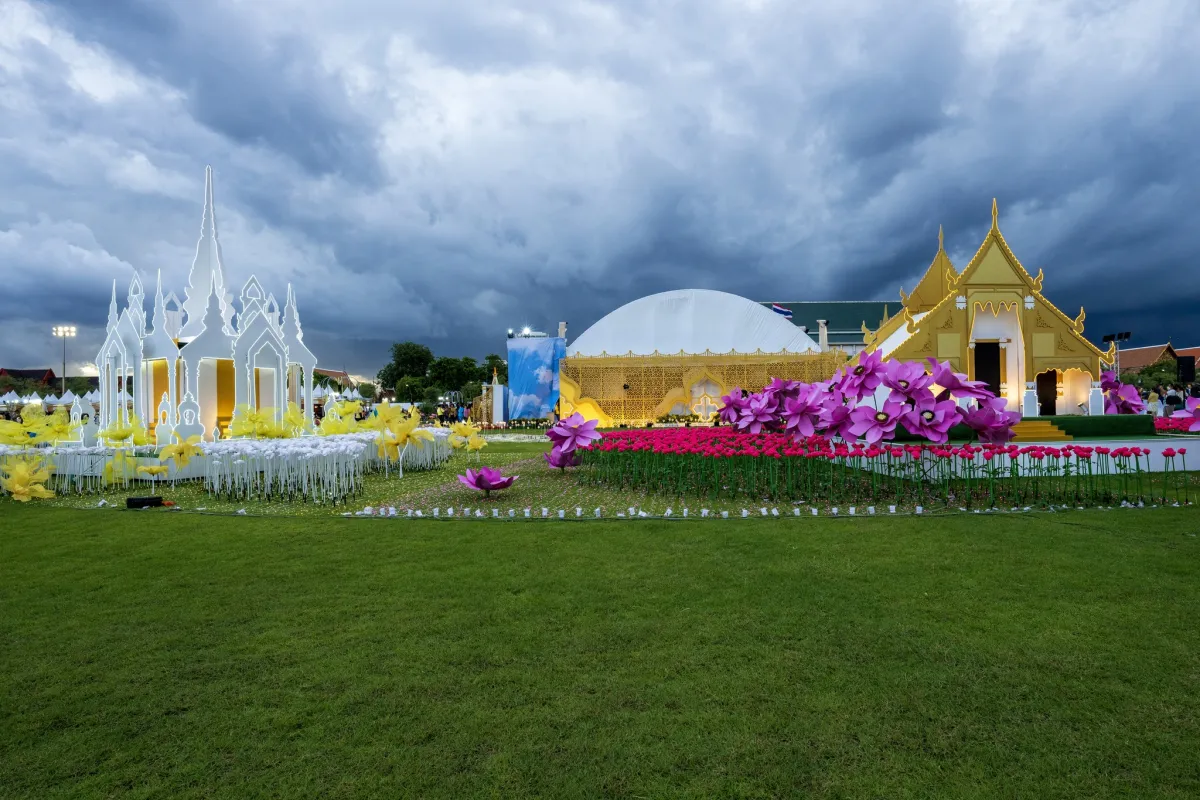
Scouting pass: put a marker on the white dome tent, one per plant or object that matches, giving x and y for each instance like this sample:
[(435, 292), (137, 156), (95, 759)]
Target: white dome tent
[(691, 321), (671, 356)]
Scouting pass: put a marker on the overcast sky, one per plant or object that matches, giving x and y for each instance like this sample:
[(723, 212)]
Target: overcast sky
[(441, 171)]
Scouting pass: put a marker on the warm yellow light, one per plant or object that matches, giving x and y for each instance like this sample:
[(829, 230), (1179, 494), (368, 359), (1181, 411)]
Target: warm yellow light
[(64, 330)]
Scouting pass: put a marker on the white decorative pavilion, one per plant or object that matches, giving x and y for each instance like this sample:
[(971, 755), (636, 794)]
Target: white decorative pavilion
[(197, 362)]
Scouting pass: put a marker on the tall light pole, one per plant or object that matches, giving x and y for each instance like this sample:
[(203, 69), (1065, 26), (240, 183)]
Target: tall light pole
[(64, 332)]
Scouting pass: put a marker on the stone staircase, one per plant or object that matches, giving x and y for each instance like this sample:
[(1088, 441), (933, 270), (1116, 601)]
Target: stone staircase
[(1038, 430)]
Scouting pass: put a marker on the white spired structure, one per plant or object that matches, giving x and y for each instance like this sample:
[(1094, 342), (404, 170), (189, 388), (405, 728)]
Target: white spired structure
[(195, 362)]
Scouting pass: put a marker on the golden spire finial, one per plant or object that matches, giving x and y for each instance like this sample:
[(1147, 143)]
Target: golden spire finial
[(941, 239), (995, 215)]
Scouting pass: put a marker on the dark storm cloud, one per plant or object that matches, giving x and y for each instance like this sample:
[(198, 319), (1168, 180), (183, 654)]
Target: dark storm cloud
[(443, 171), (251, 89)]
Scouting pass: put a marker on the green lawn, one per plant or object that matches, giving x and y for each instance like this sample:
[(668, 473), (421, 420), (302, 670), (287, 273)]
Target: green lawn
[(160, 654)]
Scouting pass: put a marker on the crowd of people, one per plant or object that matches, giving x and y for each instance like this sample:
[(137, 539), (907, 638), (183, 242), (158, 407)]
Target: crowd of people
[(1164, 401)]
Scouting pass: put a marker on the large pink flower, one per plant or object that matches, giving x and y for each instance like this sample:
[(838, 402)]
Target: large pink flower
[(574, 432), (991, 422), (1124, 400), (559, 460), (876, 424), (863, 378), (1108, 381), (1191, 412), (759, 412), (932, 419), (486, 480), (906, 378), (956, 383), (784, 390), (732, 405), (835, 417), (802, 413)]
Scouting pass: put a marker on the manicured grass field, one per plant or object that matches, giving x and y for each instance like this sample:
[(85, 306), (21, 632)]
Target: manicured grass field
[(165, 654)]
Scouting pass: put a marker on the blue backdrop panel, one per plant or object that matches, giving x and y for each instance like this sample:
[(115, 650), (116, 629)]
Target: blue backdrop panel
[(533, 376)]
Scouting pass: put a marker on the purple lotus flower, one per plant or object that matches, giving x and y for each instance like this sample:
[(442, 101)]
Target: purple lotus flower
[(991, 422), (1124, 400), (559, 460), (759, 412), (875, 424), (956, 383), (732, 405), (1108, 381), (802, 413), (835, 419), (906, 378), (574, 432), (486, 480), (784, 390), (1191, 411), (932, 419), (863, 378)]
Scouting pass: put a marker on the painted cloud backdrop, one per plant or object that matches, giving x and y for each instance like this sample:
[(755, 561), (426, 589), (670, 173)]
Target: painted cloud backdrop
[(443, 171)]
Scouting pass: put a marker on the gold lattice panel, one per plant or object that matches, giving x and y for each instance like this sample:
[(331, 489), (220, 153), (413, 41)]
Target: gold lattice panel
[(638, 389)]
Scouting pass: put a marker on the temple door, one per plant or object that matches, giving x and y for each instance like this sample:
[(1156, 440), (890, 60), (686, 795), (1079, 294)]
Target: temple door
[(1047, 393)]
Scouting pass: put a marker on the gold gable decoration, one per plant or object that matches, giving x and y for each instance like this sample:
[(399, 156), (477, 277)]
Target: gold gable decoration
[(634, 390), (994, 281), (937, 282)]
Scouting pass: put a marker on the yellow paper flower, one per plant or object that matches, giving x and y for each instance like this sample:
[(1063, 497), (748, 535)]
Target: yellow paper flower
[(116, 433), (121, 467), (475, 442), (13, 433), (153, 471), (387, 447), (294, 419), (181, 452), (24, 478)]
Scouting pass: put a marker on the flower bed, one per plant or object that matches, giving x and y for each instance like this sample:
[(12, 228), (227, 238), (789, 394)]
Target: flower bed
[(722, 462), (1174, 425)]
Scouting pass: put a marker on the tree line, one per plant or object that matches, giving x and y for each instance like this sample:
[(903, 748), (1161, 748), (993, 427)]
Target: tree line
[(417, 376)]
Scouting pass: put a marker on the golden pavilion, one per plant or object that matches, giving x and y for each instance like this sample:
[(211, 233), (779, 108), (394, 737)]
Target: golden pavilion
[(991, 322)]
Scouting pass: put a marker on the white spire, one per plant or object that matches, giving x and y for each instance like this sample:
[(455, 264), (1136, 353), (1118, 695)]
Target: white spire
[(207, 273), (112, 307), (160, 307)]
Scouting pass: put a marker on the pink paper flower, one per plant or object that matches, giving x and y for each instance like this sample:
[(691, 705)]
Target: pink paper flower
[(1108, 381), (732, 405), (956, 383), (932, 419), (802, 413), (759, 412), (1191, 413), (864, 378), (574, 432), (991, 422), (906, 378), (486, 480), (559, 460), (835, 415), (1124, 400), (876, 424)]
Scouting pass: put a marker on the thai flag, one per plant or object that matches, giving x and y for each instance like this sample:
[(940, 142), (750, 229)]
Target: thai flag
[(786, 313)]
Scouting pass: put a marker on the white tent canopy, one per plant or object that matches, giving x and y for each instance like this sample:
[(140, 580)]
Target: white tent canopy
[(691, 321)]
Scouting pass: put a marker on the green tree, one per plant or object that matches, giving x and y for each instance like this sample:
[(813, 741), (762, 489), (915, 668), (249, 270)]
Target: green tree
[(409, 360), (431, 395), (367, 390), (1161, 373), (470, 390), (495, 362), (410, 389), (449, 374)]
